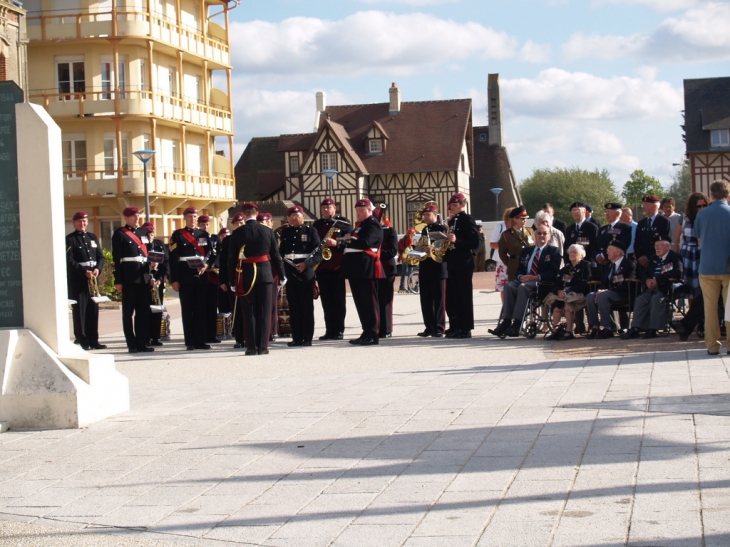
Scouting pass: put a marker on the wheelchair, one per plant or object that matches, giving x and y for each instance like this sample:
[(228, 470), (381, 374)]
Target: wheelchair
[(536, 317)]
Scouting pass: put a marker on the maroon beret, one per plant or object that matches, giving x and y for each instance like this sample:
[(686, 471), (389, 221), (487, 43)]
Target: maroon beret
[(458, 197), (249, 205), (203, 218), (81, 214), (430, 209), (327, 201), (364, 202), (148, 226), (238, 217), (129, 211), (294, 210), (224, 232), (650, 199), (264, 216), (190, 211)]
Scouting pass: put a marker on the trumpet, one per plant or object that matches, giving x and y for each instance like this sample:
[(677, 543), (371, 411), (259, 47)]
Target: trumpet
[(93, 283)]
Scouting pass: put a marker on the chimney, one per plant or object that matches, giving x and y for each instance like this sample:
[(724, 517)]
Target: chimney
[(321, 106), (394, 99), (494, 111)]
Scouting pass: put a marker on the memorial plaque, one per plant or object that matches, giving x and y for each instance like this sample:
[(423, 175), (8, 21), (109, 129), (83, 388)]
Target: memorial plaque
[(11, 278)]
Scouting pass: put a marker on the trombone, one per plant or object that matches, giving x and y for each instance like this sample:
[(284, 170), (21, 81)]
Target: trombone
[(93, 283)]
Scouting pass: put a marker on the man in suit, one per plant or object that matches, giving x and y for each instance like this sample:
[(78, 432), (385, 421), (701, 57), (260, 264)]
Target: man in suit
[(614, 288), (650, 229), (252, 256), (614, 229), (540, 262), (650, 311), (432, 278), (361, 266), (84, 261), (581, 232)]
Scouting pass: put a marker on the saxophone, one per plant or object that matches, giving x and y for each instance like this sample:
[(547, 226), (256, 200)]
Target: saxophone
[(326, 251)]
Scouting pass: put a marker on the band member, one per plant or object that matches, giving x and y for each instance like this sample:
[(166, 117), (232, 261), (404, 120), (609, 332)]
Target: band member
[(463, 240), (267, 220), (388, 259), (252, 256), (224, 305), (237, 318), (159, 273), (213, 279), (331, 283), (652, 228), (300, 250), (361, 266), (132, 278), (190, 251), (432, 276), (84, 261)]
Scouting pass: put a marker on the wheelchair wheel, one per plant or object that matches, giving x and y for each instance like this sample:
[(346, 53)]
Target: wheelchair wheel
[(531, 330), (413, 281)]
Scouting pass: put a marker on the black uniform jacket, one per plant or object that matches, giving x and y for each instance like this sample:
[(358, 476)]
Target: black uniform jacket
[(163, 268), (647, 233), (361, 265), (429, 268), (575, 278), (295, 244), (607, 233), (389, 251), (663, 270), (180, 248), (124, 246), (548, 264), (223, 261), (619, 281), (259, 241), (82, 247), (461, 254), (323, 226), (586, 235)]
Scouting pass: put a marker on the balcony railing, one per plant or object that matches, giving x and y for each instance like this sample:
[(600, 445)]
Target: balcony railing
[(108, 24), (171, 183), (135, 102)]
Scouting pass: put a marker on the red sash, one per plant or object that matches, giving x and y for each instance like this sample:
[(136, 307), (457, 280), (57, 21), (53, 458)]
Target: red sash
[(133, 237), (254, 259), (192, 241), (240, 283), (377, 267)]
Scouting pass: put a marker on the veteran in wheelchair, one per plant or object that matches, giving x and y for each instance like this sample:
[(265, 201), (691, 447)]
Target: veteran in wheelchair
[(538, 263), (658, 276)]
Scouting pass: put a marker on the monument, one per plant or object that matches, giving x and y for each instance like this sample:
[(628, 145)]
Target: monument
[(47, 381)]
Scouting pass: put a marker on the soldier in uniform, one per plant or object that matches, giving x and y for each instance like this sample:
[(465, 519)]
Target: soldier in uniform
[(265, 219), (159, 273), (432, 278), (84, 261), (222, 296), (299, 248), (513, 240), (189, 280), (236, 222), (361, 266), (331, 283), (464, 241), (132, 278), (388, 254), (252, 256), (213, 279), (614, 229), (650, 229)]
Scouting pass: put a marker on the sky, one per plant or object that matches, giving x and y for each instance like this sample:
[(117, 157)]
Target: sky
[(595, 84)]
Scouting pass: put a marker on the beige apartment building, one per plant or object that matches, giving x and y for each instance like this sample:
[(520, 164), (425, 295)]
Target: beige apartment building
[(120, 76)]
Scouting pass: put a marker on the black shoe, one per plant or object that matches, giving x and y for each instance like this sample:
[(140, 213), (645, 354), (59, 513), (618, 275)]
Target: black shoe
[(438, 334), (591, 335), (294, 344), (326, 336), (649, 334), (132, 350), (272, 338), (190, 348), (97, 346), (680, 330), (146, 349), (557, 334), (500, 328), (307, 343), (202, 346), (155, 343), (214, 341), (603, 334), (263, 352), (356, 341), (513, 330), (251, 352), (237, 346), (386, 335), (76, 342), (451, 333), (463, 334), (85, 346), (338, 336), (369, 342), (631, 334), (425, 334)]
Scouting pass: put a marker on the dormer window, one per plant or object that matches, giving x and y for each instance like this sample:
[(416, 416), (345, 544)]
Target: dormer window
[(293, 165), (720, 138), (375, 146), (482, 137)]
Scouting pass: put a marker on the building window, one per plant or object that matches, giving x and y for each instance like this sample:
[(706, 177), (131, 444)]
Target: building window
[(329, 160), (111, 157), (3, 68), (73, 151), (293, 165), (375, 146), (463, 163), (482, 137), (720, 138), (71, 79), (107, 79)]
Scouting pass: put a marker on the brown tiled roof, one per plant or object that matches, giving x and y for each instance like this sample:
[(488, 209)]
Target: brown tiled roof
[(424, 136), (269, 182), (492, 169), (706, 106), (260, 155), (301, 141)]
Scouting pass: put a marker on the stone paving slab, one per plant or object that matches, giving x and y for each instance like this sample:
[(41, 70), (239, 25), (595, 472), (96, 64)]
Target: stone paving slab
[(416, 442)]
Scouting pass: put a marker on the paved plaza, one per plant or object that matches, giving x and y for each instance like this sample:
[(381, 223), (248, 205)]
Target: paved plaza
[(413, 443)]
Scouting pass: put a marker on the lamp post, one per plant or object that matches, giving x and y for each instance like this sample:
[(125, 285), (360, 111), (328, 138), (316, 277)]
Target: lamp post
[(330, 174), (496, 192), (144, 156)]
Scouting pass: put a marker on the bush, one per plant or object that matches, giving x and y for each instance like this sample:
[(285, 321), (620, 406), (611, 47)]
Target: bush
[(106, 278)]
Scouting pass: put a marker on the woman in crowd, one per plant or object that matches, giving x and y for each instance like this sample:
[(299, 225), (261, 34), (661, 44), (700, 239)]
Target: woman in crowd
[(569, 292), (557, 239), (689, 249), (514, 240), (500, 274)]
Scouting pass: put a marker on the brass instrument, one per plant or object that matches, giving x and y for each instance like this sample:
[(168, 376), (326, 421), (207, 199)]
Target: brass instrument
[(156, 306), (418, 226), (440, 253), (326, 251), (93, 283)]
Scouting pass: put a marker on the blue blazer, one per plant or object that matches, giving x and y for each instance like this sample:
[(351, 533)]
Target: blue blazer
[(548, 267)]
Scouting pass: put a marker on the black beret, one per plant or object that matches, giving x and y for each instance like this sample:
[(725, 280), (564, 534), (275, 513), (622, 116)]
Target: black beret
[(613, 206), (518, 212), (577, 204), (588, 207), (619, 244), (665, 238)]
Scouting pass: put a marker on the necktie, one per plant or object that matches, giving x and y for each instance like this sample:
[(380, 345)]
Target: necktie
[(535, 261), (612, 272)]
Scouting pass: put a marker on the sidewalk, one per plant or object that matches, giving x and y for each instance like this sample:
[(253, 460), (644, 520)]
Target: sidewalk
[(415, 443)]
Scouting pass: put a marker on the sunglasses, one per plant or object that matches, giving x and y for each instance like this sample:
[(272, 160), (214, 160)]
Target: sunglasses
[(701, 205)]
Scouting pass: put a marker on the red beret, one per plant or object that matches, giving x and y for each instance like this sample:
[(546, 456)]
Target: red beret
[(294, 210), (249, 205), (148, 226), (457, 198), (190, 211), (410, 231), (650, 199), (264, 216), (430, 209), (224, 232), (203, 218), (238, 217), (81, 214), (364, 202), (129, 211), (327, 201)]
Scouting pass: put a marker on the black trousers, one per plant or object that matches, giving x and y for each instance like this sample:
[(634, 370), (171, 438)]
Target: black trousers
[(385, 303), (211, 312), (193, 306), (460, 300), (156, 318), (365, 296), (301, 309), (237, 317), (136, 314), (256, 308), (224, 302), (85, 316), (433, 303), (332, 293)]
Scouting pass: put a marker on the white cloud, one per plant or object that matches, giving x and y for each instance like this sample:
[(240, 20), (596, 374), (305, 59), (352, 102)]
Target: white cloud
[(558, 94), (542, 144), (411, 2), (535, 53), (656, 5), (598, 141), (625, 163), (365, 42), (596, 46)]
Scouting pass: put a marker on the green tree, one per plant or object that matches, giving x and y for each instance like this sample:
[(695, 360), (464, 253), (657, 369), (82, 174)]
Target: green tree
[(639, 185), (563, 186), (681, 187)]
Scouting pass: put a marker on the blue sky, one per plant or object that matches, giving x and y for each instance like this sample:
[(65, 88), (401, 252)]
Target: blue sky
[(589, 83)]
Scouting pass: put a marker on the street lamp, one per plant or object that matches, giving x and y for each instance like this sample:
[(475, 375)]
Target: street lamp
[(330, 174), (496, 192), (144, 156)]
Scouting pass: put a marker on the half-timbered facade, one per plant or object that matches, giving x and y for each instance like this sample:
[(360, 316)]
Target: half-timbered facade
[(707, 130)]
